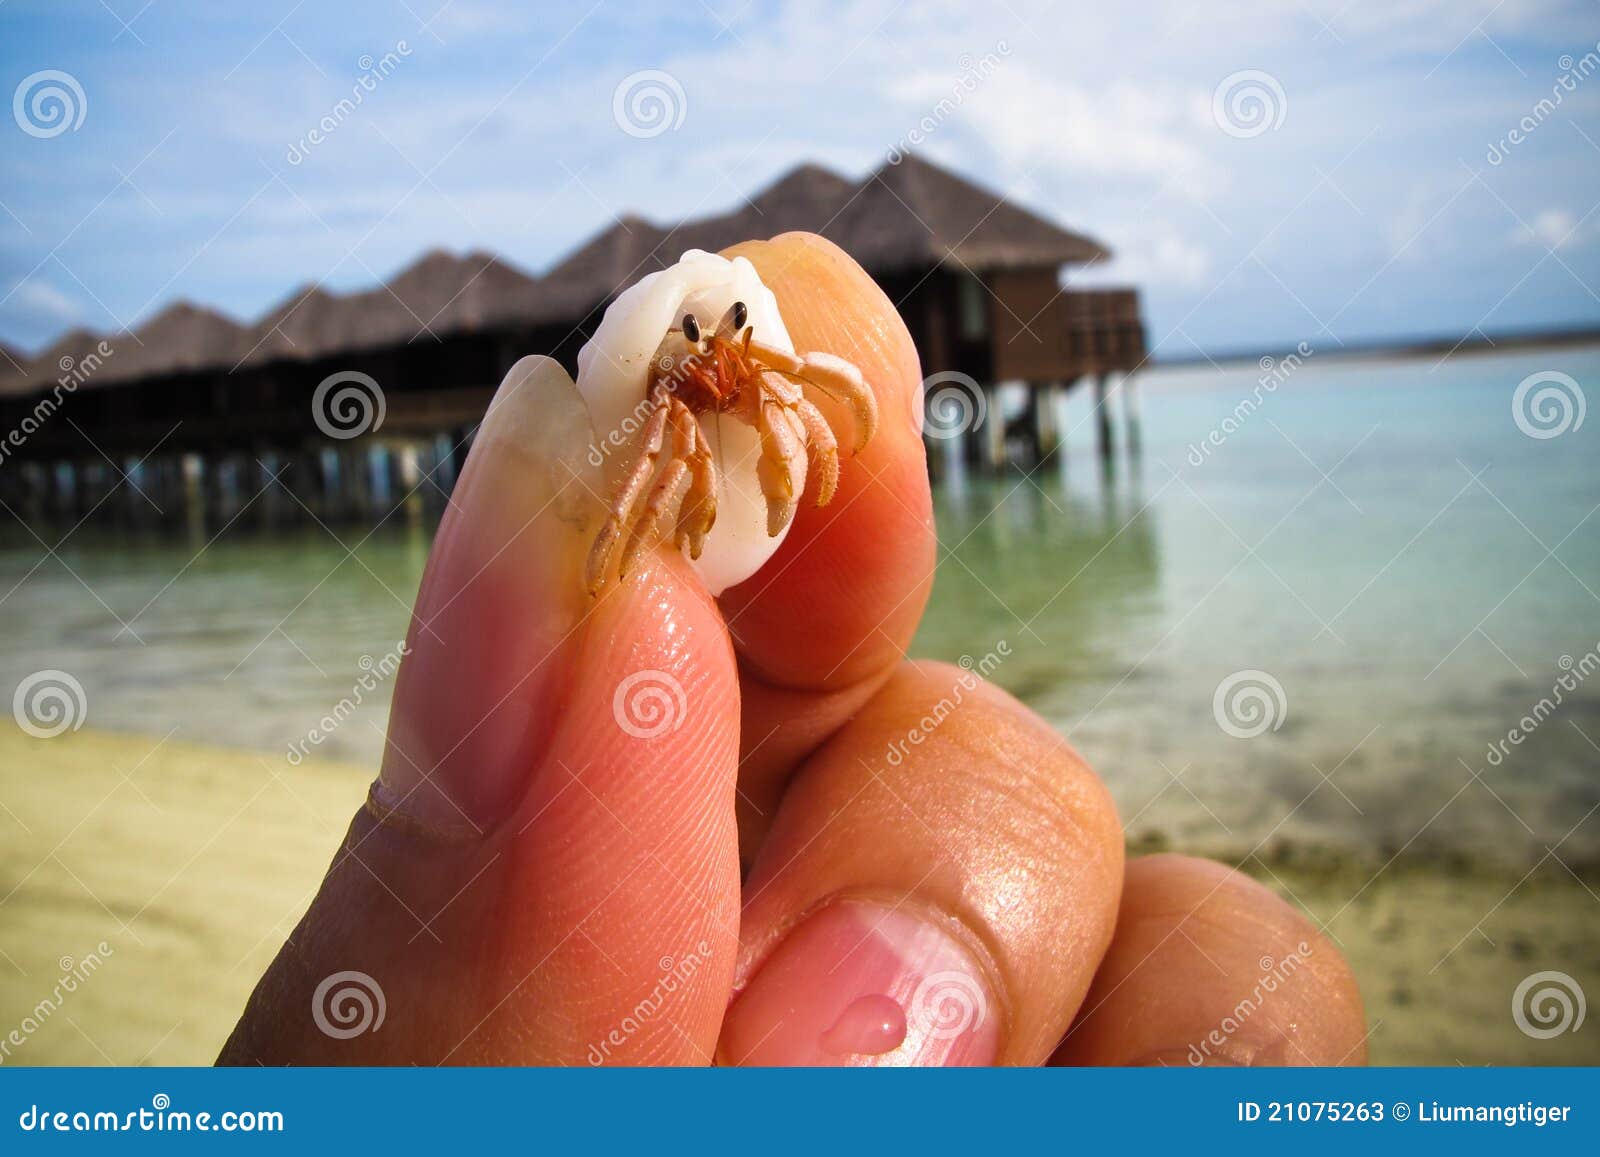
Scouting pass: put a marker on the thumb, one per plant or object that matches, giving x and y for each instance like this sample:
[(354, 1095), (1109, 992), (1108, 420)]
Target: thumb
[(546, 871)]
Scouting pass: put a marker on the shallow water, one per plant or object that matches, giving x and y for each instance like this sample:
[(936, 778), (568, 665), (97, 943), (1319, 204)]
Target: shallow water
[(1378, 537)]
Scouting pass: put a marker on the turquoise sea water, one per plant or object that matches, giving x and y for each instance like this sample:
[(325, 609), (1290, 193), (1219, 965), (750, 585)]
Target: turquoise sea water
[(1378, 539)]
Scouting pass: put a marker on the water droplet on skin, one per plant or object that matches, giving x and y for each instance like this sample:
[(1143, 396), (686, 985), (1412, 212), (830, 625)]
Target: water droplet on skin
[(870, 1025)]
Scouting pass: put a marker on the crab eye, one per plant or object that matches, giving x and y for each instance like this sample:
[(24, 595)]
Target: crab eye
[(691, 327), (740, 315)]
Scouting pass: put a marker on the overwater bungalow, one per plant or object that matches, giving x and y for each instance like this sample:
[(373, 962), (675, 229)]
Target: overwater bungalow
[(200, 412)]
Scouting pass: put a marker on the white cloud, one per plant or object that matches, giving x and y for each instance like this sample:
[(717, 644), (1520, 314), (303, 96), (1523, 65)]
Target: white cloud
[(1554, 227), (44, 303)]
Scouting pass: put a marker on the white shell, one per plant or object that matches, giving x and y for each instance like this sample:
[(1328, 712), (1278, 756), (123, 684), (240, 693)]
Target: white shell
[(613, 368)]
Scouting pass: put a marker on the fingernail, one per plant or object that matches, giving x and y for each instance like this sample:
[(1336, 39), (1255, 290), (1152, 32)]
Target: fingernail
[(864, 984), (501, 597)]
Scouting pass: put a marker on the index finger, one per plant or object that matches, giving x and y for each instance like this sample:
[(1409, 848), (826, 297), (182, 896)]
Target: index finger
[(827, 620), (840, 600)]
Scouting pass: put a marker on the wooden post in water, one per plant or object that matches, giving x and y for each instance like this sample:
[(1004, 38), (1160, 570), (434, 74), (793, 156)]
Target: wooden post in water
[(194, 504), (262, 466), (1102, 413), (408, 468), (993, 430), (355, 480), (1047, 428), (36, 479), (1028, 422), (1130, 413)]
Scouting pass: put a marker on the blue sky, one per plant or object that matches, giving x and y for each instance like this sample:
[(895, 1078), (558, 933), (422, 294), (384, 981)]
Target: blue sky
[(1369, 209)]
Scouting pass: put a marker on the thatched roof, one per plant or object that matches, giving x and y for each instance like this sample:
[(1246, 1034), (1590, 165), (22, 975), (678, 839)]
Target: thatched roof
[(50, 363), (181, 338), (904, 216)]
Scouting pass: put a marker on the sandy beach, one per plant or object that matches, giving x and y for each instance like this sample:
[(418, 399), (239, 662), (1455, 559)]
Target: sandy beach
[(178, 869)]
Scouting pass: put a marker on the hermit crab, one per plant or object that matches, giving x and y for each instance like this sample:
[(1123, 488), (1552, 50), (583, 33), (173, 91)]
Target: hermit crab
[(707, 420)]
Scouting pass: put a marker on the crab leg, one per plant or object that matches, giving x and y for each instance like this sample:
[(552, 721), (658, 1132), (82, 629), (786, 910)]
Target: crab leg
[(833, 376), (699, 510), (780, 387), (779, 447), (823, 446), (661, 499), (621, 510)]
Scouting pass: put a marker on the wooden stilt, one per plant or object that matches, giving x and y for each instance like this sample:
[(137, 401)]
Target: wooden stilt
[(1047, 429), (1102, 412), (1130, 413), (993, 431), (194, 499), (408, 473)]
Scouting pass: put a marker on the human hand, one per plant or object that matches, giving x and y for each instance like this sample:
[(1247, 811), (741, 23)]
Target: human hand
[(549, 869)]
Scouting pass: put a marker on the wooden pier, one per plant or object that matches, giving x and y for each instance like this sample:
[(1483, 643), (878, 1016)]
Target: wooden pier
[(193, 419)]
